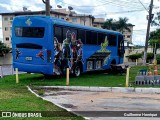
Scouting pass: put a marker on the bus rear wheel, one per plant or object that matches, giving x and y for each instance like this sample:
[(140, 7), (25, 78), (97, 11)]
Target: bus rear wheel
[(77, 71)]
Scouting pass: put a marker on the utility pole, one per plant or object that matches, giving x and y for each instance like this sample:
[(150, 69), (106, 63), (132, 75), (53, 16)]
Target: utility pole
[(148, 30), (84, 19), (47, 4)]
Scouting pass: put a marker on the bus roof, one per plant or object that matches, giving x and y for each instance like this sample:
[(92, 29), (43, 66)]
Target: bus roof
[(59, 21)]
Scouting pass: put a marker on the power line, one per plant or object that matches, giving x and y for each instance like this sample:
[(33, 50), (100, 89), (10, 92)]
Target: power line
[(143, 5), (103, 4), (143, 29), (111, 13)]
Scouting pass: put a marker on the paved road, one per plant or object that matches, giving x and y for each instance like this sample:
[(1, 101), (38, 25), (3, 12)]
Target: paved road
[(7, 70), (104, 101)]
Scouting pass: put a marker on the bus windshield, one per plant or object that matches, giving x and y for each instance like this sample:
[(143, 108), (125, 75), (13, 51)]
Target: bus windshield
[(33, 32)]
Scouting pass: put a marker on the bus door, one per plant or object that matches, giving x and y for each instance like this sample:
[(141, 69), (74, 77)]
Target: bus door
[(120, 49)]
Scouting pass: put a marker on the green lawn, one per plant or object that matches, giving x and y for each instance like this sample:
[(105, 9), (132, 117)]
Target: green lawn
[(103, 79)]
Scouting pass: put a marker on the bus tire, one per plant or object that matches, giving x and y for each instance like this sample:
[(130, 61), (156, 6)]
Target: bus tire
[(113, 62), (77, 71)]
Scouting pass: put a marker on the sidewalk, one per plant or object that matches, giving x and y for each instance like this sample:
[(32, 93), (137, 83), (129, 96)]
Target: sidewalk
[(107, 89)]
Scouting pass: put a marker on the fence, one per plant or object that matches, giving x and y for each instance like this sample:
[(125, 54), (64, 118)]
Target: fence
[(6, 70)]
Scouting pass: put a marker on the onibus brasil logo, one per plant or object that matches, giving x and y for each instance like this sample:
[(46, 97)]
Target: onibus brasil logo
[(20, 114)]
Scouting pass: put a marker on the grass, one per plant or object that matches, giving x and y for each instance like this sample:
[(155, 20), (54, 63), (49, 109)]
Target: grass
[(16, 97)]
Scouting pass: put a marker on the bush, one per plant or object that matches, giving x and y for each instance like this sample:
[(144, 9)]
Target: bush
[(3, 49), (150, 57), (158, 58), (133, 57)]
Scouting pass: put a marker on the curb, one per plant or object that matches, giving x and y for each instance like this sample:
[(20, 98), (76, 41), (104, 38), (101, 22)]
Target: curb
[(107, 89)]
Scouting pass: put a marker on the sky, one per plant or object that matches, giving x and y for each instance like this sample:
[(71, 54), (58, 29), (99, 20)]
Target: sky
[(135, 10)]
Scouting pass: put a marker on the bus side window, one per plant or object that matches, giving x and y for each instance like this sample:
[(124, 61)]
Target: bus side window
[(65, 30), (88, 37), (112, 39), (101, 37), (74, 31), (58, 34), (94, 38), (81, 35)]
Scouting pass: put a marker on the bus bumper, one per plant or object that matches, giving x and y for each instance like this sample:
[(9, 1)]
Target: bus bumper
[(31, 68)]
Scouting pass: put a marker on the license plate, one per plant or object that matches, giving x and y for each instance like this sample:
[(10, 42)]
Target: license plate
[(28, 58)]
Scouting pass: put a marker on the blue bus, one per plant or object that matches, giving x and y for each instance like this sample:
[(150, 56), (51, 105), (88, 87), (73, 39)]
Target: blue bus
[(48, 45)]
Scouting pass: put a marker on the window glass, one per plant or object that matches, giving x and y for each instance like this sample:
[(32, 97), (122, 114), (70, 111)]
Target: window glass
[(120, 45), (94, 38), (128, 36), (88, 37), (33, 32), (7, 38), (58, 34), (112, 39), (81, 35), (74, 19), (6, 28), (91, 37), (101, 37), (11, 18), (5, 18), (65, 30), (73, 30)]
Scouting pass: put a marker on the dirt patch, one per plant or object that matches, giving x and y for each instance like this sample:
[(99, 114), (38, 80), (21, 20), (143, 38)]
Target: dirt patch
[(69, 106), (59, 93)]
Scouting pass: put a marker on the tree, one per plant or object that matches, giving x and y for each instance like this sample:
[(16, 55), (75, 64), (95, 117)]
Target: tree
[(110, 24), (154, 40), (3, 49), (156, 20), (119, 25), (123, 25)]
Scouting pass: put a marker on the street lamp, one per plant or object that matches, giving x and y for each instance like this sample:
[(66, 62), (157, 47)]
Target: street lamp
[(69, 8)]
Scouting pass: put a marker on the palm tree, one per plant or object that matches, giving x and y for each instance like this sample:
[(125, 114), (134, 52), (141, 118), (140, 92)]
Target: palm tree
[(110, 24), (155, 40), (123, 25)]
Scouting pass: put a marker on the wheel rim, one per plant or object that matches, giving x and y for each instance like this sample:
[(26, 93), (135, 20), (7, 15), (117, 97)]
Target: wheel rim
[(77, 71)]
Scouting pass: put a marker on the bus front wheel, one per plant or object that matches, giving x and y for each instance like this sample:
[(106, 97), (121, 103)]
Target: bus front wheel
[(77, 71)]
